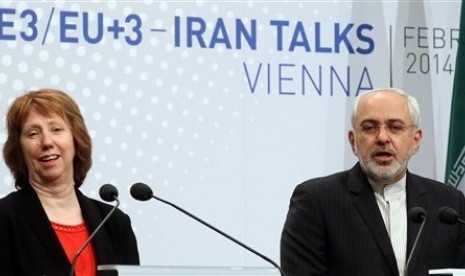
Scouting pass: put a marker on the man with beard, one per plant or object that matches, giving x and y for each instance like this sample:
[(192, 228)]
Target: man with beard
[(355, 222)]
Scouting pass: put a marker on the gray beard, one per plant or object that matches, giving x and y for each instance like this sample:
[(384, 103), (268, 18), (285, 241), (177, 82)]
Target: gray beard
[(373, 170)]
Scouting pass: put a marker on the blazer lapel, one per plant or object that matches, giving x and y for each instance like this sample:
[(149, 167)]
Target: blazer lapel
[(93, 217), (31, 209), (416, 196), (365, 202)]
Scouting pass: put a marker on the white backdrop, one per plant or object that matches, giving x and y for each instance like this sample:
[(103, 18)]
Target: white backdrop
[(223, 107)]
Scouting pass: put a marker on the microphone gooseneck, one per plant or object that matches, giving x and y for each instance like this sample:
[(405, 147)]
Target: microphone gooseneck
[(108, 193), (417, 215), (143, 192)]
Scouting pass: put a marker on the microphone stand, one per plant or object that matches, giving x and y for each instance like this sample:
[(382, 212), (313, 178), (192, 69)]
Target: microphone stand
[(78, 253), (221, 233)]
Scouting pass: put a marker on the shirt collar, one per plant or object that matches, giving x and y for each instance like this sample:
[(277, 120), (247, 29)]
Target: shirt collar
[(394, 188)]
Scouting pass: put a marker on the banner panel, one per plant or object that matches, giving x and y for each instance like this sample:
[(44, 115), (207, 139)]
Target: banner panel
[(224, 107)]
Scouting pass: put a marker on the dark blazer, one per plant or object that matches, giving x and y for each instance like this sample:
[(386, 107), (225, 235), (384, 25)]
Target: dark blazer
[(29, 245), (334, 227)]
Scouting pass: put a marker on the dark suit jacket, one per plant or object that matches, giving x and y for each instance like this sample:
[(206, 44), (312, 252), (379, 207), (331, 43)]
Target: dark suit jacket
[(334, 227), (29, 245)]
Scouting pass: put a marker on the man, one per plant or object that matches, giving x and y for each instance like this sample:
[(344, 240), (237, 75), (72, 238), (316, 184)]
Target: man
[(355, 222)]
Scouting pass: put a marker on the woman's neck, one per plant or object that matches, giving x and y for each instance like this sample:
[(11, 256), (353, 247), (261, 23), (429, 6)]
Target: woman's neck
[(60, 203)]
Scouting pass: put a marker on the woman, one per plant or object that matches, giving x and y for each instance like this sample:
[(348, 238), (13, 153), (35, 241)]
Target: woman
[(44, 222)]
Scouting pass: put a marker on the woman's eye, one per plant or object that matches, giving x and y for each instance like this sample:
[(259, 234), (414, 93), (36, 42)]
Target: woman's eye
[(33, 134)]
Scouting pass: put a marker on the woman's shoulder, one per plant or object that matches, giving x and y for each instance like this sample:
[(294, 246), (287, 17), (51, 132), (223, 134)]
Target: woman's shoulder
[(9, 200)]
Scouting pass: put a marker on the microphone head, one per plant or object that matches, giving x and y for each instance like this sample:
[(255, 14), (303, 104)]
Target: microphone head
[(417, 214), (448, 215), (108, 192), (141, 191)]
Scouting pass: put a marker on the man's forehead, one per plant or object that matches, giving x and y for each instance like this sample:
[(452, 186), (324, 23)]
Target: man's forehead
[(383, 95), (383, 107)]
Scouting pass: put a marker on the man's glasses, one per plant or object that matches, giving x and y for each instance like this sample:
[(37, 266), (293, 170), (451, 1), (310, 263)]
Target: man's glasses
[(373, 128)]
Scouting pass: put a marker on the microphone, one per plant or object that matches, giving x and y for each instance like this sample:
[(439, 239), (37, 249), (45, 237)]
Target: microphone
[(143, 192), (108, 193), (449, 216), (418, 215)]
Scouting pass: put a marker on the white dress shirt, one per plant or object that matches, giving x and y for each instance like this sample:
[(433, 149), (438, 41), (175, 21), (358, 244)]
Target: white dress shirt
[(392, 203)]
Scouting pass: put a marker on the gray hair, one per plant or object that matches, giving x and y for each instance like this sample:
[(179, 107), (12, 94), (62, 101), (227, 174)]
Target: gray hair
[(412, 103)]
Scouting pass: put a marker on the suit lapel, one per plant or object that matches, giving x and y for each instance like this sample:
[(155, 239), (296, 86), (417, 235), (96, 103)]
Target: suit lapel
[(92, 216), (365, 203), (416, 196), (31, 209)]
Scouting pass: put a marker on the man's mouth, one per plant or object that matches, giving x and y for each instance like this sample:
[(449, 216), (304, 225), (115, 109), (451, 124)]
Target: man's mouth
[(383, 156)]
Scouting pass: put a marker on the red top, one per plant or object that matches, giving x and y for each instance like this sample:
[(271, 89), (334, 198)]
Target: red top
[(71, 238)]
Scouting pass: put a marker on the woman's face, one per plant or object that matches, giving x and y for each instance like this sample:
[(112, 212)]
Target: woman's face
[(48, 149)]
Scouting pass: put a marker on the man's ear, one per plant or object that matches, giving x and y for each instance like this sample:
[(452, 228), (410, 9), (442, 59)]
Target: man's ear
[(417, 136), (351, 136)]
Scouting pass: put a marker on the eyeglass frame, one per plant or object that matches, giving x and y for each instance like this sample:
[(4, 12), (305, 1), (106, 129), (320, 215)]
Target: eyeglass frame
[(393, 127)]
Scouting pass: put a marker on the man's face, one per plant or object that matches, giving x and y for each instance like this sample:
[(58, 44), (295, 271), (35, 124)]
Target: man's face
[(384, 138)]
